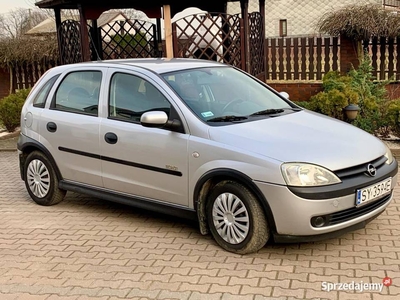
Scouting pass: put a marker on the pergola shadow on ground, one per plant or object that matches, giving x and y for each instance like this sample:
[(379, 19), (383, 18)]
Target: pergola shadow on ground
[(238, 40)]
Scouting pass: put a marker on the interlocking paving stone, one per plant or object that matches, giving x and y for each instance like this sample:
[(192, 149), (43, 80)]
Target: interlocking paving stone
[(86, 248)]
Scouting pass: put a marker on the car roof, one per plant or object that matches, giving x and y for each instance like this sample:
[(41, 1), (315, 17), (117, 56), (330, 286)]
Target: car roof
[(157, 65)]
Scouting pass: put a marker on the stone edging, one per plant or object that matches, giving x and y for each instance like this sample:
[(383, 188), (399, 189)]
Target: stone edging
[(10, 135)]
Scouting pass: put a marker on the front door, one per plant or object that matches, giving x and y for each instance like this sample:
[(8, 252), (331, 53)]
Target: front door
[(136, 160)]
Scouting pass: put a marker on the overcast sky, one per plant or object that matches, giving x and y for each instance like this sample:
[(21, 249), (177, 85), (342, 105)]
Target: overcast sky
[(7, 5)]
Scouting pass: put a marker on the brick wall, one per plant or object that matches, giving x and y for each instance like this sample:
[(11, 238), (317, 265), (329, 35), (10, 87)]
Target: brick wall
[(348, 54), (303, 91), (298, 91), (393, 90), (4, 83)]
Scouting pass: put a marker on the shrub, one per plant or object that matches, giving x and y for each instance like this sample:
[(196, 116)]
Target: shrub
[(10, 109), (377, 115), (393, 116), (131, 43)]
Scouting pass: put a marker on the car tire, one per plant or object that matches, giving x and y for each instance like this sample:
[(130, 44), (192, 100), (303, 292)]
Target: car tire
[(236, 218), (41, 180)]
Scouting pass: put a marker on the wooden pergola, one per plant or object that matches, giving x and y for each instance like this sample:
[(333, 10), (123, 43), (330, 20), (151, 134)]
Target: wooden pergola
[(90, 10)]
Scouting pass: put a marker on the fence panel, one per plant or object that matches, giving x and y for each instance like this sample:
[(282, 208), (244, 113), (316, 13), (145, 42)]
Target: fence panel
[(301, 58), (25, 75), (385, 61)]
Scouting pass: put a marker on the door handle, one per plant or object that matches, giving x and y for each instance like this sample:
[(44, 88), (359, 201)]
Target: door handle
[(51, 126), (111, 138)]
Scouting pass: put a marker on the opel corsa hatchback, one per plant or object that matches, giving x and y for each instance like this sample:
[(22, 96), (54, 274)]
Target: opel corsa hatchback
[(200, 139)]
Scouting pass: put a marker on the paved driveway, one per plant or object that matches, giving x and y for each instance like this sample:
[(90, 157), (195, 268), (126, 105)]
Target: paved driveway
[(85, 248)]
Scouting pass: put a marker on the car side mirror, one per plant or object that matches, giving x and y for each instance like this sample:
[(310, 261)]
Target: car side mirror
[(159, 119), (156, 119), (284, 94)]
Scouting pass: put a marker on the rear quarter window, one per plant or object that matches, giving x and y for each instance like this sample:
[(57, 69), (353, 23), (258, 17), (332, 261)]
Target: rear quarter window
[(41, 97), (79, 93)]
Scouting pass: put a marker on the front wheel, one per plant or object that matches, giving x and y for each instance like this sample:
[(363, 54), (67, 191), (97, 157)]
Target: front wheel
[(41, 180), (236, 219)]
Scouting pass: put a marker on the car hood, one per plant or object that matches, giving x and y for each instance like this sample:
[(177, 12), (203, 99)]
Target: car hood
[(303, 137)]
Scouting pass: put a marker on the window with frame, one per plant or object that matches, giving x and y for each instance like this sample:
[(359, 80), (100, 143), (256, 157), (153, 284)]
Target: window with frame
[(131, 96), (283, 27), (41, 97), (79, 93)]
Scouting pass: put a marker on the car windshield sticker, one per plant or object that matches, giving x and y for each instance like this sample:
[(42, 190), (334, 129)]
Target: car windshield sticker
[(207, 114)]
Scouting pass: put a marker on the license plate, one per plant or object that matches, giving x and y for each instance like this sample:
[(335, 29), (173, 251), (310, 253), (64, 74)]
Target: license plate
[(373, 192)]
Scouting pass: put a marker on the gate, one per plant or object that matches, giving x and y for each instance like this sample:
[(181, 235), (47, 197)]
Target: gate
[(217, 37), (129, 39)]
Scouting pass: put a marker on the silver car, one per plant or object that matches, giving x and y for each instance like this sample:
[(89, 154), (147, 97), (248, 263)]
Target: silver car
[(203, 140)]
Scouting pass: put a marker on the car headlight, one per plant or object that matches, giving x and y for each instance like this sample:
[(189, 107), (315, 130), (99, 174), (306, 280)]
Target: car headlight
[(388, 155), (302, 174)]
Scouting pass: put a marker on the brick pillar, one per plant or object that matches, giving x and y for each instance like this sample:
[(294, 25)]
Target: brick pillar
[(348, 54), (4, 83)]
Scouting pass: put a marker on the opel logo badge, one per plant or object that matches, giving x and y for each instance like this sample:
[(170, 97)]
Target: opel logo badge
[(371, 170)]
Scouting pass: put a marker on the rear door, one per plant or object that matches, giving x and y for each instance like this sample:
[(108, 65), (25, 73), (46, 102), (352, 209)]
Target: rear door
[(69, 125)]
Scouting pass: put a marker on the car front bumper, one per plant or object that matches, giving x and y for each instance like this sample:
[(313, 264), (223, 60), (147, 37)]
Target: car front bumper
[(292, 213)]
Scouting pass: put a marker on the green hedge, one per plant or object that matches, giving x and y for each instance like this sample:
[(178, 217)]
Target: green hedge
[(10, 109), (378, 114)]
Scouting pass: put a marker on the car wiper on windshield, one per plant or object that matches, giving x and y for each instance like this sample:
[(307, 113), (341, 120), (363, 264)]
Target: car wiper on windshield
[(270, 111), (273, 111), (228, 119)]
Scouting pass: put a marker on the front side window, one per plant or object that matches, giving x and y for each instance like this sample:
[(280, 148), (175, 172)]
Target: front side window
[(41, 97), (131, 96), (79, 93), (223, 93)]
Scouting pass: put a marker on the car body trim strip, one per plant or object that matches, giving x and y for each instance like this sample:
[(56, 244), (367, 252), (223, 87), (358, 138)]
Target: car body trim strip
[(122, 162)]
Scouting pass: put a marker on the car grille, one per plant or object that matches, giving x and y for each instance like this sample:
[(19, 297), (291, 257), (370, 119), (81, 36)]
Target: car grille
[(361, 169), (354, 212)]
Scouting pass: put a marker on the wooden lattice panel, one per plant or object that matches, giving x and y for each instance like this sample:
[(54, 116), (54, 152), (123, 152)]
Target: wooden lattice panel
[(212, 37), (70, 41), (129, 39), (257, 40)]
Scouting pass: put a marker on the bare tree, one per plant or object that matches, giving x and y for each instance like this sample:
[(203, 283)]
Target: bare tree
[(18, 21)]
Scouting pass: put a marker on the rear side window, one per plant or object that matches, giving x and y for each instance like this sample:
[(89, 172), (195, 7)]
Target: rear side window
[(41, 97), (79, 93)]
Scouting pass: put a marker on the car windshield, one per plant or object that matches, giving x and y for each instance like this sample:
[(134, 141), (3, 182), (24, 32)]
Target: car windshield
[(224, 94)]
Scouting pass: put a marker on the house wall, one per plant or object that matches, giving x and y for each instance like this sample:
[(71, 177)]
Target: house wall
[(4, 83), (302, 16)]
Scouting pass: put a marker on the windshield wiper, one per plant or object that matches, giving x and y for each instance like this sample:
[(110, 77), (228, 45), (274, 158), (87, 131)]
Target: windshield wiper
[(270, 111), (227, 119)]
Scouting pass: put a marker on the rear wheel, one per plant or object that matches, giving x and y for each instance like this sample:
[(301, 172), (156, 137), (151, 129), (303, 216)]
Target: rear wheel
[(41, 180), (236, 219)]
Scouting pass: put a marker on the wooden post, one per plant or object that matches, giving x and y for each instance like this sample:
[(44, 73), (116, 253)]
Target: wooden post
[(244, 5), (169, 48), (262, 12), (57, 14), (98, 50), (84, 35)]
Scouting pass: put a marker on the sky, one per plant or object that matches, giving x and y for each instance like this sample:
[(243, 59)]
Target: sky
[(7, 5)]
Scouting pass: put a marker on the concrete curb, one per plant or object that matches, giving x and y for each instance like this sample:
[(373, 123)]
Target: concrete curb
[(10, 135)]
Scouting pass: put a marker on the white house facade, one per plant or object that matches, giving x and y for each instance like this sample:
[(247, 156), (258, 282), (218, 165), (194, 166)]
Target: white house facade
[(299, 17)]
